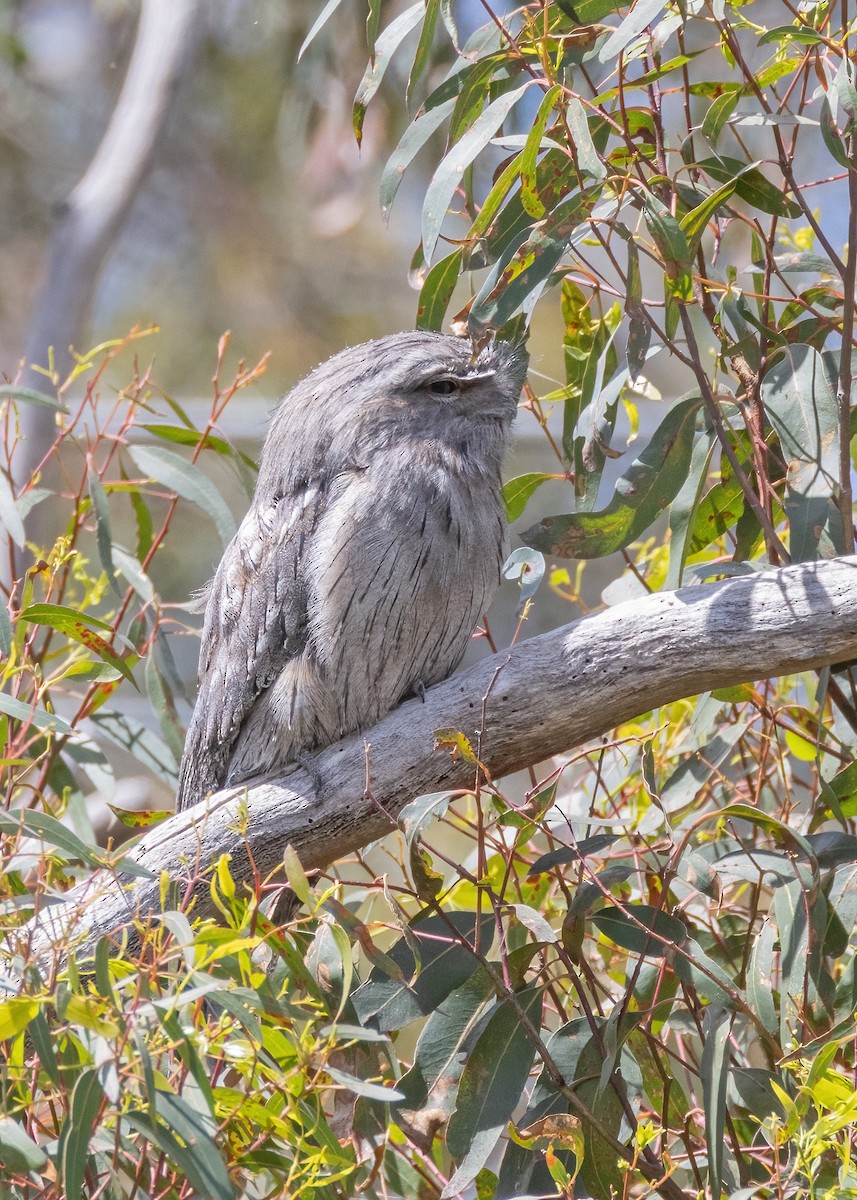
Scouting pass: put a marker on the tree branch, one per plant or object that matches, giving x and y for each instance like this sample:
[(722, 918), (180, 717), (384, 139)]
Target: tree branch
[(544, 697), (92, 215)]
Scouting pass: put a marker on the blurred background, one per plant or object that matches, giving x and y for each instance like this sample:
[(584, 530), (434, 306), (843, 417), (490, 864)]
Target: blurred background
[(256, 213)]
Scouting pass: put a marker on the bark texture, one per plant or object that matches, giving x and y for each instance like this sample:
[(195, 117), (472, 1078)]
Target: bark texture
[(545, 697)]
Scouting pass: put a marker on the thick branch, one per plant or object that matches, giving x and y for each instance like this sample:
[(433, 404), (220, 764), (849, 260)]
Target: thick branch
[(545, 696)]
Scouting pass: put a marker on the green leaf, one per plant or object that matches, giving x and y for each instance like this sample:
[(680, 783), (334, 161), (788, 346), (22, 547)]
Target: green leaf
[(568, 854), (164, 706), (491, 1085), (617, 924), (529, 195), (373, 21), (80, 628), (131, 569), (587, 12), (413, 820), (360, 1087), (801, 405), (139, 741), (600, 1172), (381, 55), (183, 1134), (722, 108), (642, 493), (18, 1152), (641, 15), (685, 507), (31, 396), (320, 21), (34, 716), (831, 136), (86, 1099), (761, 975), (714, 1071), (519, 276), (437, 291), (694, 224), (422, 55), (446, 964), (671, 241), (751, 185), (48, 829), (448, 175), (410, 144), (104, 541), (803, 261), (180, 436), (587, 155), (697, 770), (9, 515), (706, 977), (792, 33), (186, 480), (6, 632), (16, 1012), (639, 329), (518, 491)]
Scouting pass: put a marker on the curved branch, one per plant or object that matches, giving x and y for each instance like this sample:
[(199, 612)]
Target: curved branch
[(544, 697)]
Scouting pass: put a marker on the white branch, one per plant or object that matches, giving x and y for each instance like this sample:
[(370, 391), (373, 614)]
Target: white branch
[(91, 217), (544, 697)]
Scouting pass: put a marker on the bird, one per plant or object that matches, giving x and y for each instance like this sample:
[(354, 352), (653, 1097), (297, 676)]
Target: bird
[(371, 549)]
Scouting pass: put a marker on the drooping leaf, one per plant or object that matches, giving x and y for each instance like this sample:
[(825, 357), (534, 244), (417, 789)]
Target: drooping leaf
[(686, 505), (432, 1082), (801, 404), (491, 1084), (714, 1069), (410, 144), (104, 540), (380, 56), (437, 291), (18, 1152), (186, 480), (178, 435), (11, 391), (184, 1134), (318, 24), (517, 279), (587, 155), (623, 926), (422, 55), (80, 627), (631, 26), (9, 515), (642, 493), (86, 1100), (446, 964), (448, 175), (518, 491), (31, 715), (529, 194), (751, 185)]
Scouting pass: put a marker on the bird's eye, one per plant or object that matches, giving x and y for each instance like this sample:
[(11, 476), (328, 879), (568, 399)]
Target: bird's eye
[(443, 387)]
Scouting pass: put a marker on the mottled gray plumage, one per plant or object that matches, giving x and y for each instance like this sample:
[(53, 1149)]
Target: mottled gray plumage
[(372, 548)]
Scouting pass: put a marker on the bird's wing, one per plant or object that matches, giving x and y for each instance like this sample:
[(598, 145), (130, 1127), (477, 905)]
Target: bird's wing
[(255, 621)]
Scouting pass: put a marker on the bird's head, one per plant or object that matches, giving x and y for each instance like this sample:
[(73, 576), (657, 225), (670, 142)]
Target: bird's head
[(422, 385)]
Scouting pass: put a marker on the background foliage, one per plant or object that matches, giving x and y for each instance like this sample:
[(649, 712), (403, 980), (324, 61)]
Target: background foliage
[(635, 973)]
